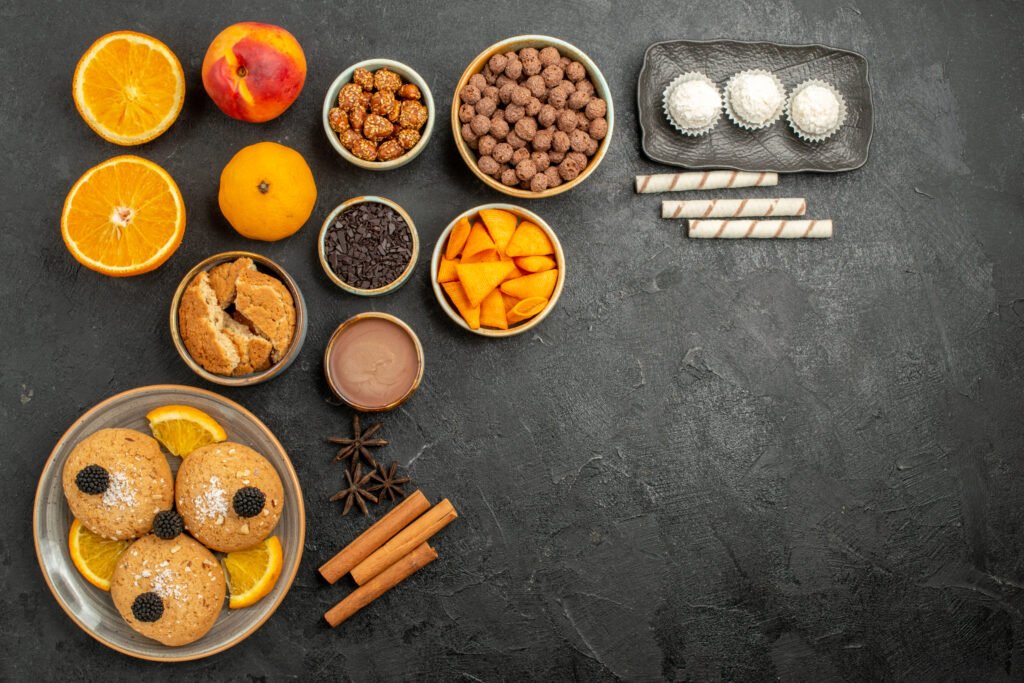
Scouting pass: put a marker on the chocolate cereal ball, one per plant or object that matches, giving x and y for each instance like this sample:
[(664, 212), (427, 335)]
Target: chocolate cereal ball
[(554, 178), (499, 128), (466, 113), (531, 65), (566, 121), (556, 157), (598, 128), (486, 144), (502, 152), (540, 160), (513, 139), (579, 141), (585, 86), (505, 92), (526, 169), (560, 141), (538, 183), (536, 86), (549, 55), (509, 177), (513, 69), (578, 100), (592, 146), (497, 63), (470, 94), (533, 107), (575, 72), (526, 128), (552, 75), (490, 93), (558, 97), (542, 140), (480, 124), (596, 108), (490, 78), (486, 106), (478, 81), (468, 135), (488, 165), (520, 95), (514, 112), (547, 115), (569, 169), (520, 154)]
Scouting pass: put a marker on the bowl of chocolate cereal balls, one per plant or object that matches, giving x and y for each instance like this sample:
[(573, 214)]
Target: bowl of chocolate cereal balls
[(532, 116), (378, 114)]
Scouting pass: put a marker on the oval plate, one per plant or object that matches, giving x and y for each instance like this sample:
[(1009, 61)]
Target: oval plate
[(92, 608), (775, 148)]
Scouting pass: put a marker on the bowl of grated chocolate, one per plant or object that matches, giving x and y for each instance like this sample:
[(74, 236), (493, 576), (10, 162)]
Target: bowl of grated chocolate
[(368, 246)]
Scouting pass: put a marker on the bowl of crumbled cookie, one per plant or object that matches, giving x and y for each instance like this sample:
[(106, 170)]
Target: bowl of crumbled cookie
[(378, 114), (238, 319)]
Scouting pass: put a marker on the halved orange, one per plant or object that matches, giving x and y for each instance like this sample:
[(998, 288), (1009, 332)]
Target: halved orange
[(252, 573), (129, 87), (94, 556), (182, 429), (123, 217)]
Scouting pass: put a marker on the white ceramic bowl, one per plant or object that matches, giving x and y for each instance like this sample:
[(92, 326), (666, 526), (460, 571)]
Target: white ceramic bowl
[(407, 74), (442, 298)]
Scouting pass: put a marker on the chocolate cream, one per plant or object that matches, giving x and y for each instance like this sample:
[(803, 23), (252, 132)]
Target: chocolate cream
[(373, 363)]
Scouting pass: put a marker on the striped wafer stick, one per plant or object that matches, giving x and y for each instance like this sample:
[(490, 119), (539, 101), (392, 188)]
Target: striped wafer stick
[(733, 208), (703, 180), (778, 229)]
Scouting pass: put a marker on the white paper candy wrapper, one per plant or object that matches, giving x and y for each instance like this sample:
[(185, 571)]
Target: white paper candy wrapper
[(753, 229), (734, 208)]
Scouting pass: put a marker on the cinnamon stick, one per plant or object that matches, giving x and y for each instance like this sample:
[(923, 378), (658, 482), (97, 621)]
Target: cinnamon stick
[(405, 541), (374, 537), (381, 584)]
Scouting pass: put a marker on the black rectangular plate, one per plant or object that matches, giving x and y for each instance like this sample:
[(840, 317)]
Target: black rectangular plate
[(775, 148)]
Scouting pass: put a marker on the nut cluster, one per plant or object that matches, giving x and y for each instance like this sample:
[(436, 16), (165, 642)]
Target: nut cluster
[(379, 116), (533, 117)]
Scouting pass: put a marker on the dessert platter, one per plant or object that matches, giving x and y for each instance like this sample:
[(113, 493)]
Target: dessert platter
[(740, 105), (181, 504)]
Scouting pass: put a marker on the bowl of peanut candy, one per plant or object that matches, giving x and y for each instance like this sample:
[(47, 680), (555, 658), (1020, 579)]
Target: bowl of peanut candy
[(378, 114)]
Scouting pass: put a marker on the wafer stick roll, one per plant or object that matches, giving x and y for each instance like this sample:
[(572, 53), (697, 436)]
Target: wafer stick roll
[(733, 208), (703, 180), (780, 229)]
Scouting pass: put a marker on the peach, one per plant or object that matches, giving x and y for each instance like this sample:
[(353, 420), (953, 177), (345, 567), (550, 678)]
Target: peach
[(254, 71)]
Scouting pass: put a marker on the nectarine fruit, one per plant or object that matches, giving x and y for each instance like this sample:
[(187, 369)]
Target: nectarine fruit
[(254, 71)]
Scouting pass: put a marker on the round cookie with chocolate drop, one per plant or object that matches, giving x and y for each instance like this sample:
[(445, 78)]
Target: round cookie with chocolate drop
[(116, 481), (169, 590), (229, 495)]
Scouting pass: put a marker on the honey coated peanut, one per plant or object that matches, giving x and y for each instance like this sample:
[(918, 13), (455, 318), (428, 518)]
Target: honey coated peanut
[(379, 116)]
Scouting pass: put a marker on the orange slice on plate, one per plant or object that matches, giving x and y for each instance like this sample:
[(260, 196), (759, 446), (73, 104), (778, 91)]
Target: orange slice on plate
[(129, 87), (123, 217), (94, 556), (182, 429), (252, 573)]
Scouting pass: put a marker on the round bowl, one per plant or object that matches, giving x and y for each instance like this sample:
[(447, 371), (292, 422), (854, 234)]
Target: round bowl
[(391, 286), (419, 356), (91, 608), (410, 76), (516, 43), (265, 264), (442, 298)]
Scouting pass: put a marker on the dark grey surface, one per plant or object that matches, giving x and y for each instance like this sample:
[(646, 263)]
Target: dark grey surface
[(775, 147), (713, 461)]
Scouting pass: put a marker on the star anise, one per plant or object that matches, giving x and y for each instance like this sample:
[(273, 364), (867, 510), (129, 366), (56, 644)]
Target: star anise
[(388, 484), (358, 447), (356, 490)]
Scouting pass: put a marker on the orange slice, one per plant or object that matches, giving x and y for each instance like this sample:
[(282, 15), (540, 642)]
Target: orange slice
[(182, 429), (252, 573), (94, 556), (123, 217), (129, 87)]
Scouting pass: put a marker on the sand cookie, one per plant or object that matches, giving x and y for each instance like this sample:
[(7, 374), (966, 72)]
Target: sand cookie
[(169, 590), (116, 480), (229, 495)]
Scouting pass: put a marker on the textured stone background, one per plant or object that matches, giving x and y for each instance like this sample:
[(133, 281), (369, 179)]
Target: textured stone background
[(736, 461)]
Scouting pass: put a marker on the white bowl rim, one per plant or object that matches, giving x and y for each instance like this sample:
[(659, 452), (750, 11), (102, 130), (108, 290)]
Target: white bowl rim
[(407, 72), (442, 297)]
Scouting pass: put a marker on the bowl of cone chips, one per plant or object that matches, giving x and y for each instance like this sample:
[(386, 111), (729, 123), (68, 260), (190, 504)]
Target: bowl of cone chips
[(498, 270)]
